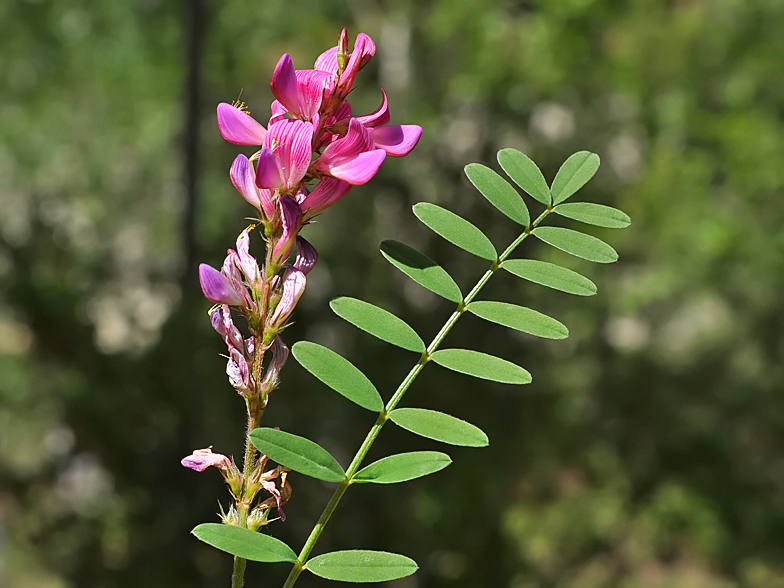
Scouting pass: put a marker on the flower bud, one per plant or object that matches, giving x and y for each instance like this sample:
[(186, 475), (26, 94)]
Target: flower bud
[(217, 288), (280, 353), (307, 256), (291, 218), (293, 286), (237, 370), (246, 261)]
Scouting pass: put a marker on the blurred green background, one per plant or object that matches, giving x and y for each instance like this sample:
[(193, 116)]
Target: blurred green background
[(648, 451)]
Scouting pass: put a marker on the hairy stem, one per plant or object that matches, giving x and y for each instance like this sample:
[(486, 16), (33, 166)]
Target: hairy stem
[(393, 402)]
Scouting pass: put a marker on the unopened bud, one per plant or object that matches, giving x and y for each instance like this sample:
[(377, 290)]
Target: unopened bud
[(307, 256)]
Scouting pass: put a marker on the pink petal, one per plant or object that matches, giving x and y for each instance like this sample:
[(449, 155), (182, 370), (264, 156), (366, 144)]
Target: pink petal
[(239, 127), (291, 142), (380, 117), (328, 61), (396, 140), (326, 193), (364, 49), (268, 200), (307, 256), (216, 287), (356, 141), (278, 112), (241, 175), (246, 261), (361, 169), (284, 84), (291, 218), (313, 85), (201, 459), (268, 172), (294, 282)]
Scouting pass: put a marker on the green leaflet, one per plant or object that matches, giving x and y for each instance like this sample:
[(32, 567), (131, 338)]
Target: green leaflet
[(456, 230), (338, 373), (578, 244), (519, 318), (420, 268), (573, 175), (594, 214), (244, 543), (499, 192), (361, 566), (525, 173), (481, 365), (402, 467), (300, 454), (378, 322), (551, 275), (439, 426)]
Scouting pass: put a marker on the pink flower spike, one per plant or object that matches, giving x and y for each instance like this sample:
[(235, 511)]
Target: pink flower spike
[(284, 85), (269, 174), (291, 218), (396, 140), (239, 127), (307, 256), (217, 288), (378, 118), (241, 175), (201, 459), (294, 282), (326, 193)]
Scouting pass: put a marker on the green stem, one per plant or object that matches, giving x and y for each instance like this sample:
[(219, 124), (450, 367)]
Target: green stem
[(393, 402)]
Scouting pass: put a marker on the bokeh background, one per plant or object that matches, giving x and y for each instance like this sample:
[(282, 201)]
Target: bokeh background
[(649, 450)]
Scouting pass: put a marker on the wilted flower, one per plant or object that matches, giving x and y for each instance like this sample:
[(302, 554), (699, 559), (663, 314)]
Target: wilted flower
[(201, 459)]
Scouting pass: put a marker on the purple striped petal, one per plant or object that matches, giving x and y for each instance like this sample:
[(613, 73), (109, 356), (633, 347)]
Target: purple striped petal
[(241, 175), (290, 140), (216, 287), (361, 169), (378, 118), (313, 86), (239, 127), (328, 61), (284, 85), (396, 140), (268, 201), (294, 282), (307, 256), (326, 193), (269, 173), (291, 218)]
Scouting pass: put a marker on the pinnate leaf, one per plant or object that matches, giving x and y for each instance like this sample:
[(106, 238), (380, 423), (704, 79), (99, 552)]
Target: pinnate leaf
[(338, 373), (520, 318), (573, 175), (300, 454), (403, 467), (456, 230), (244, 543), (551, 275), (525, 173), (378, 322), (439, 426), (594, 214), (420, 268), (499, 192), (361, 566), (481, 365), (578, 244)]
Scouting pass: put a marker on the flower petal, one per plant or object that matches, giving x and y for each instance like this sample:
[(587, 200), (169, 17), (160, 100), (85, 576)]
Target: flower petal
[(356, 141), (361, 169), (291, 217), (313, 86), (269, 172), (378, 118), (328, 61), (201, 459), (307, 256), (241, 175), (294, 282), (246, 261), (278, 112), (326, 193), (216, 287), (239, 127), (290, 140), (284, 84), (396, 140)]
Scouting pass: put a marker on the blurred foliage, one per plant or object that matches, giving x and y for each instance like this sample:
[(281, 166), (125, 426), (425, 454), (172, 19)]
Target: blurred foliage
[(647, 453)]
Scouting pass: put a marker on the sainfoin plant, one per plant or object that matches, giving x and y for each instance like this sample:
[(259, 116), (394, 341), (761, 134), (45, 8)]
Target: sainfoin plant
[(310, 154)]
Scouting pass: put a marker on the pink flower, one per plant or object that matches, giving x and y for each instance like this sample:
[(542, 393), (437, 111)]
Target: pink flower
[(201, 459), (326, 193), (364, 49), (285, 155), (293, 286), (217, 288), (353, 158), (244, 179), (291, 219), (238, 127), (300, 91)]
